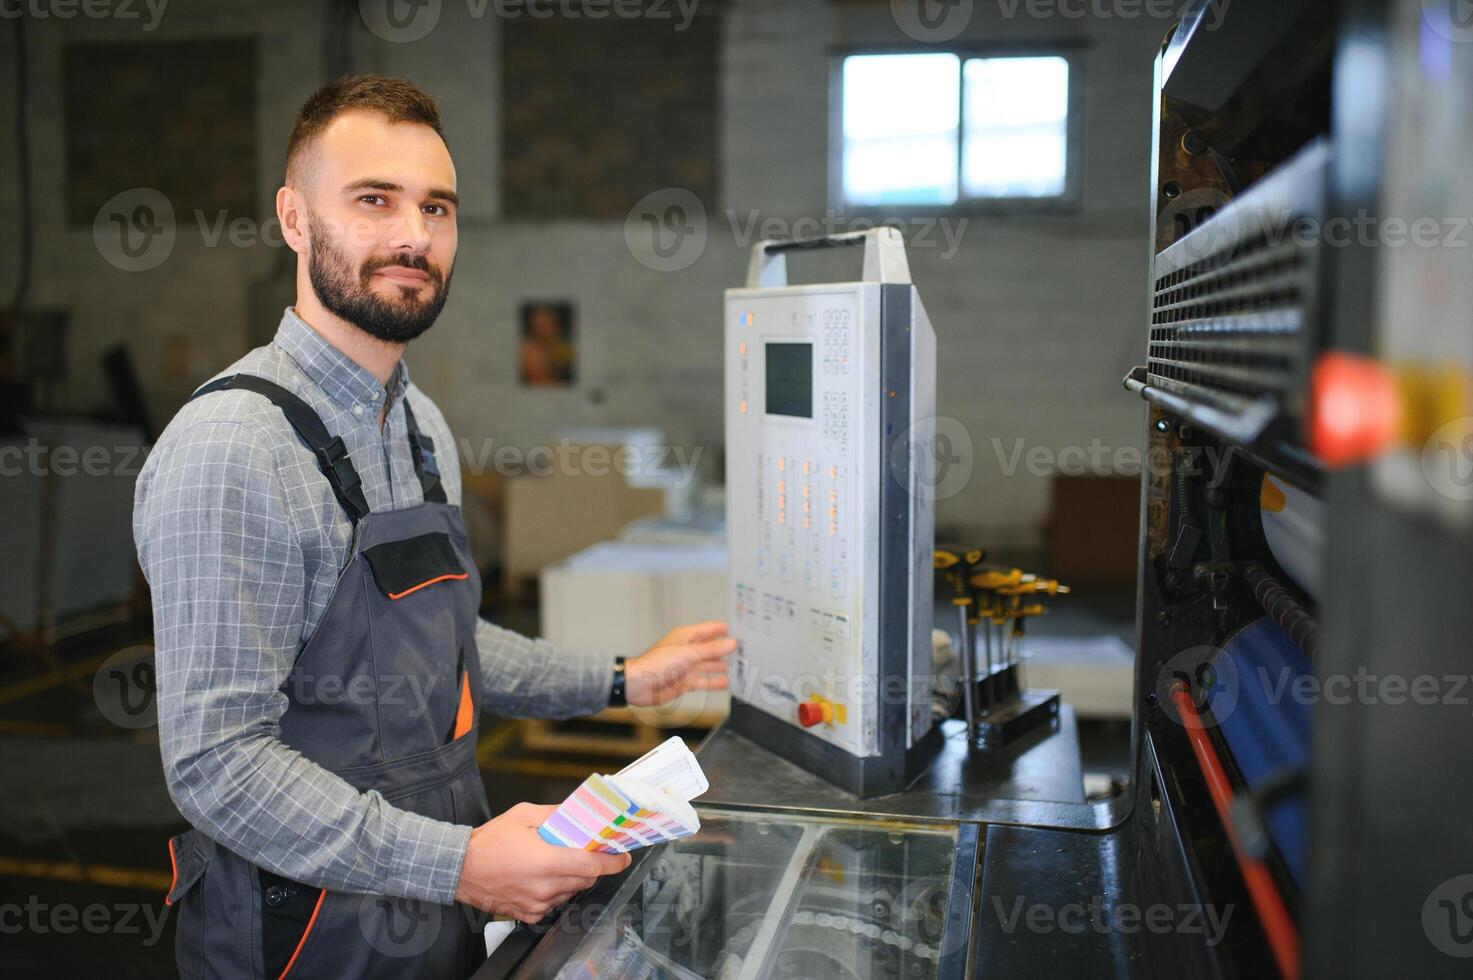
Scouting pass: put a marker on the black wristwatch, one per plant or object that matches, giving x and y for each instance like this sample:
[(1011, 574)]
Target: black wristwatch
[(618, 694)]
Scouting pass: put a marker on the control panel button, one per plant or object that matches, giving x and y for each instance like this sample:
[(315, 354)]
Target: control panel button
[(809, 714)]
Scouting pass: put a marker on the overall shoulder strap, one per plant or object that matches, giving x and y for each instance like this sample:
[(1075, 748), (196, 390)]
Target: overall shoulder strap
[(422, 451), (331, 453)]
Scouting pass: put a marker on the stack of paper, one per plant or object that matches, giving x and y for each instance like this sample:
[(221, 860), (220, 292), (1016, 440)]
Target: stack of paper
[(647, 802)]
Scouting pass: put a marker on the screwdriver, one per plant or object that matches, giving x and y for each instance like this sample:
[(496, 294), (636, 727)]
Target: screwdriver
[(956, 564)]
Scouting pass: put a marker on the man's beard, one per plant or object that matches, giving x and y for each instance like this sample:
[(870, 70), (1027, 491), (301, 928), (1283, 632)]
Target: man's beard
[(351, 296)]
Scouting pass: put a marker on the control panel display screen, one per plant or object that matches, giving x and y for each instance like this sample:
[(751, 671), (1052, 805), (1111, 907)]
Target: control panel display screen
[(790, 380)]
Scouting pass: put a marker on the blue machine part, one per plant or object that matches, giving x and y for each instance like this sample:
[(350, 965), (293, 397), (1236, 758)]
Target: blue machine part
[(1266, 726)]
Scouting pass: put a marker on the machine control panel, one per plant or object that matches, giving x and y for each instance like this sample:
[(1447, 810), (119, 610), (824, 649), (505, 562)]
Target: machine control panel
[(809, 459), (799, 396)]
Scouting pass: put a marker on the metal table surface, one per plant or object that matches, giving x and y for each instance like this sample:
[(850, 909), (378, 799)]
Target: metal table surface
[(1037, 780), (1039, 843), (1041, 895)]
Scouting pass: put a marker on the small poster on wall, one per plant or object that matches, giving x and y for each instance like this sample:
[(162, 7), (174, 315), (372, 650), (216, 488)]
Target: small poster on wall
[(545, 354)]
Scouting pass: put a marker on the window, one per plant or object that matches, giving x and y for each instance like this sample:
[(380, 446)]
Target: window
[(948, 129), (899, 137)]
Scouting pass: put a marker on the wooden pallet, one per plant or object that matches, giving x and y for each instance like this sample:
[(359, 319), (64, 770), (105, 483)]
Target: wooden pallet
[(620, 732)]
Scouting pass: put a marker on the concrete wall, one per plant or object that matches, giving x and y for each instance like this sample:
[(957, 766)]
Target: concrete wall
[(1037, 318)]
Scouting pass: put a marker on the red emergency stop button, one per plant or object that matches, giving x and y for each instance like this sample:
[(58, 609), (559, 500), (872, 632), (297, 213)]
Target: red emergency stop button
[(810, 713)]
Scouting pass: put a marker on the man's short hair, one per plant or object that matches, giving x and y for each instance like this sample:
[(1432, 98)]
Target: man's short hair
[(396, 99)]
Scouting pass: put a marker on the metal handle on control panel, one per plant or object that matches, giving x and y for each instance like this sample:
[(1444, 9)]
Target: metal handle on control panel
[(884, 256)]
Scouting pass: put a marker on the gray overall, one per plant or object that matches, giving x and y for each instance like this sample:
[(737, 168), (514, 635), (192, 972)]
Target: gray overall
[(404, 607)]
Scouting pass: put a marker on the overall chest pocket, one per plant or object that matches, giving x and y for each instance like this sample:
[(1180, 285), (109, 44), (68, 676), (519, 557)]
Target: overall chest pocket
[(422, 628), (402, 568)]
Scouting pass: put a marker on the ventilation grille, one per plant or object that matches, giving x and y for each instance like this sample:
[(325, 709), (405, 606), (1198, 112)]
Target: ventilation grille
[(1231, 301), (1228, 328)]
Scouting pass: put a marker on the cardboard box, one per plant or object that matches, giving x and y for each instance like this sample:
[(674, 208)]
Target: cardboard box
[(550, 517)]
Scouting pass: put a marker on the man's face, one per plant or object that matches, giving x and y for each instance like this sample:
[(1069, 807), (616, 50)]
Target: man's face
[(381, 222)]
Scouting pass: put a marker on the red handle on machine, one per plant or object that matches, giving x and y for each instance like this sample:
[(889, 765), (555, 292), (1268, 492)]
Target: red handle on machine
[(1278, 926)]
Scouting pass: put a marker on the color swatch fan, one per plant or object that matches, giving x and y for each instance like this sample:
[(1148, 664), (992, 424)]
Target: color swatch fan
[(647, 802)]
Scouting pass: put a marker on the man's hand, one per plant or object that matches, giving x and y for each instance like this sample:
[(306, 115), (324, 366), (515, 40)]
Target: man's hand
[(688, 658), (509, 870)]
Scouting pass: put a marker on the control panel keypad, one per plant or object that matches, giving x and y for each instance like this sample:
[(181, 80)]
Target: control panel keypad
[(836, 342), (836, 417)]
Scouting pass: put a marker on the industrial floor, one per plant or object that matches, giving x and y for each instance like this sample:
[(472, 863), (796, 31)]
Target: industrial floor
[(85, 817)]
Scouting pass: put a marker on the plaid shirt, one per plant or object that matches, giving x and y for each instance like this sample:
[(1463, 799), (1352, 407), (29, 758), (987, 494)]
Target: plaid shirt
[(242, 542)]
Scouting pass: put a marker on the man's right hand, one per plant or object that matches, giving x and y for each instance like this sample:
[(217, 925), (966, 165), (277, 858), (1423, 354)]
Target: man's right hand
[(510, 870)]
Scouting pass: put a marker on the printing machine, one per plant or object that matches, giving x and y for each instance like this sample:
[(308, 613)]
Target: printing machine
[(1303, 521)]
